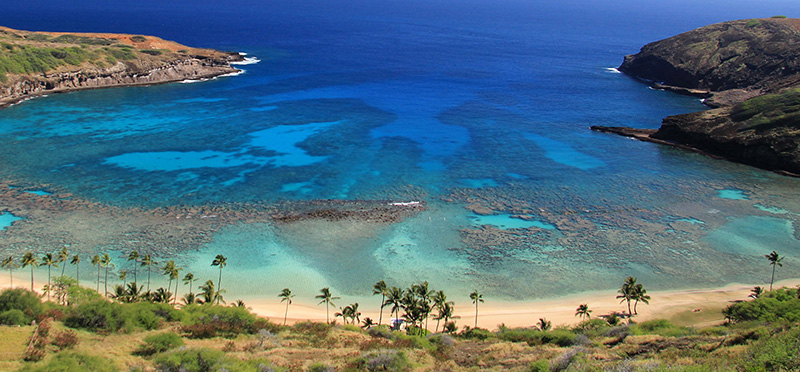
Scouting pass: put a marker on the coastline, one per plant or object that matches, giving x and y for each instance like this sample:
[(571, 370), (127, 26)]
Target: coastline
[(212, 72), (685, 307)]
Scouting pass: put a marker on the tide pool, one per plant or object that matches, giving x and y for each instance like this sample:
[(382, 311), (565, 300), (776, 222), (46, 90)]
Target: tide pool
[(7, 219)]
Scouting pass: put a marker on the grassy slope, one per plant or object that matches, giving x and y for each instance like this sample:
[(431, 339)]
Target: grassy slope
[(36, 53), (762, 337)]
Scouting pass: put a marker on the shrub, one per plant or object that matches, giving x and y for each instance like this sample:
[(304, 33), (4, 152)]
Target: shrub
[(104, 315), (659, 327), (779, 16), (540, 366), (152, 52), (138, 39), (159, 343), (21, 299), (753, 23), (476, 333), (189, 360), (14, 317), (319, 367), (65, 340), (204, 321), (778, 353), (382, 360), (70, 361)]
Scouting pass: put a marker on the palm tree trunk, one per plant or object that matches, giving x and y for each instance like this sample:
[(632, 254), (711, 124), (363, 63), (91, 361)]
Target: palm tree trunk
[(773, 278), (380, 317), (635, 312), (629, 309), (78, 273), (148, 278), (175, 299), (31, 278), (219, 282), (63, 266), (48, 281), (437, 326), (327, 317), (105, 282), (476, 314), (98, 278), (286, 314), (11, 275)]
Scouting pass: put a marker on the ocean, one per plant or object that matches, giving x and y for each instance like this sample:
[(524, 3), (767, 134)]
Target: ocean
[(479, 109)]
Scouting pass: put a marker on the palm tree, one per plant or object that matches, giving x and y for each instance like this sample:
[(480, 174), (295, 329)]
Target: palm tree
[(367, 323), (134, 256), (756, 292), (639, 295), (62, 259), (76, 260), (446, 312), (476, 298), (327, 299), (96, 262), (583, 311), (10, 264), (286, 296), (49, 260), (210, 293), (105, 261), (439, 301), (220, 261), (30, 260), (123, 275), (167, 270), (173, 275), (394, 297), (188, 279), (774, 260), (148, 261), (628, 292), (544, 324), (380, 288)]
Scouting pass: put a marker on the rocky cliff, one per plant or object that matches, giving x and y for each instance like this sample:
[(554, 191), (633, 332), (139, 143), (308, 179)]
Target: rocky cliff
[(750, 70), (37, 63), (729, 62)]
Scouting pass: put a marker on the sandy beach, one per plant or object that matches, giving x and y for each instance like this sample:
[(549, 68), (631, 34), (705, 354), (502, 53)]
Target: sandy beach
[(695, 307)]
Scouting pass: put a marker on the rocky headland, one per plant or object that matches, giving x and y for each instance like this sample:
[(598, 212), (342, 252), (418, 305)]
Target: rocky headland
[(749, 71), (38, 63)]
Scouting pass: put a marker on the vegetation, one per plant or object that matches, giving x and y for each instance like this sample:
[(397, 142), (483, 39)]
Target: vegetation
[(769, 111)]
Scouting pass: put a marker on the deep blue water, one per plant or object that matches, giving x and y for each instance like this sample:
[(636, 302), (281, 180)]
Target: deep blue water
[(453, 102)]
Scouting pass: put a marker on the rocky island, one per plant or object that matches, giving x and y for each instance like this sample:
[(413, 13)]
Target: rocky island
[(37, 63), (749, 70)]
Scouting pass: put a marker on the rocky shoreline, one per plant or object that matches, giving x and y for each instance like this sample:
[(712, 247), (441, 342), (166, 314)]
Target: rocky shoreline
[(41, 63), (120, 75), (748, 71)]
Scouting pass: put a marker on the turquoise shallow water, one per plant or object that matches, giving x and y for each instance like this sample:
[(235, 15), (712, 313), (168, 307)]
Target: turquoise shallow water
[(485, 108)]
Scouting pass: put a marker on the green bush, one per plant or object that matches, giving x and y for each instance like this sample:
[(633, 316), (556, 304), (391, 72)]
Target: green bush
[(778, 305), (23, 300), (777, 353), (152, 52), (190, 360), (138, 39), (780, 16), (753, 23), (532, 337), (382, 360), (204, 321), (104, 315), (73, 362), (540, 365), (476, 333), (659, 327), (14, 317), (159, 343)]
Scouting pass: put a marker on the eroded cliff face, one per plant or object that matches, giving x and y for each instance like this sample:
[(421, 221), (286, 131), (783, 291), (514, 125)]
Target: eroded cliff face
[(728, 62), (750, 70), (127, 73), (746, 133)]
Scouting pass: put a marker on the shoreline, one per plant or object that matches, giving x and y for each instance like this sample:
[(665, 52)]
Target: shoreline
[(685, 307), (6, 102)]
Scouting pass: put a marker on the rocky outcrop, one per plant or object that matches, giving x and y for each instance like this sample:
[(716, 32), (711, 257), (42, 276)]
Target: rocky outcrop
[(727, 62), (127, 73), (762, 132), (749, 70)]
